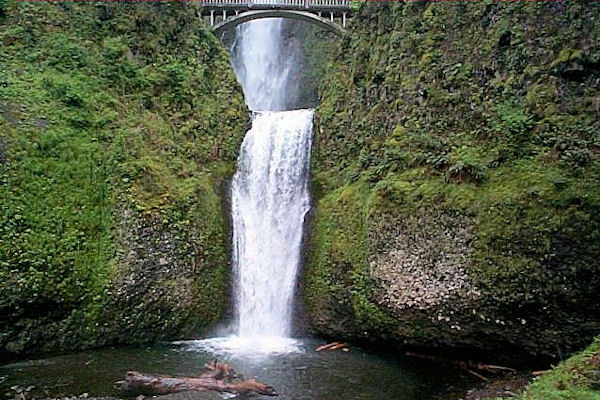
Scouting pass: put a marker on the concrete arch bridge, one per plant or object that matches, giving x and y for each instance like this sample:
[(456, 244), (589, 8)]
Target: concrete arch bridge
[(328, 14)]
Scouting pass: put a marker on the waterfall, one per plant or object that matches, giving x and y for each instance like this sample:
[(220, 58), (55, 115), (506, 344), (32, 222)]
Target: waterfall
[(266, 65), (269, 201), (269, 192)]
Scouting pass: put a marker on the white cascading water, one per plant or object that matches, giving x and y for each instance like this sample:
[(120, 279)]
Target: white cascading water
[(265, 65), (269, 201), (269, 194)]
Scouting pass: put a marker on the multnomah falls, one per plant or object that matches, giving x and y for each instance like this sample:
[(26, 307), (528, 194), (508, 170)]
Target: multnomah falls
[(269, 194), (310, 199)]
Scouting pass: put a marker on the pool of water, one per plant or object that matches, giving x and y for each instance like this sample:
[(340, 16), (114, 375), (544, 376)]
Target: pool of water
[(297, 373)]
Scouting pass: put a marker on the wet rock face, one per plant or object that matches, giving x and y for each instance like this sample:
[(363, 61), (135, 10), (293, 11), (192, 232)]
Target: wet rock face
[(420, 262), (163, 285), (456, 179), (149, 261)]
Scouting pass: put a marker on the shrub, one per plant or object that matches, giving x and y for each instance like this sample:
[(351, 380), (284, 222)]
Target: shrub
[(64, 89), (513, 121), (465, 165), (3, 7)]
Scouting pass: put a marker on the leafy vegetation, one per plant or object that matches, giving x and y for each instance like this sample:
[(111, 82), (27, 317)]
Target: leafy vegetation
[(115, 120), (483, 112), (574, 379)]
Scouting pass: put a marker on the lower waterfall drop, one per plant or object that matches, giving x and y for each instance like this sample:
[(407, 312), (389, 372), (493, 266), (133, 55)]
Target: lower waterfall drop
[(270, 199)]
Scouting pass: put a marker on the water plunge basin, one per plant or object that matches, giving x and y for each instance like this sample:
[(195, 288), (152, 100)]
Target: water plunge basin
[(294, 369)]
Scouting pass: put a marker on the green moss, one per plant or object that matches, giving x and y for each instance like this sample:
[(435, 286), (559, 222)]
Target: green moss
[(340, 283), (567, 55), (459, 109), (107, 109), (574, 379)]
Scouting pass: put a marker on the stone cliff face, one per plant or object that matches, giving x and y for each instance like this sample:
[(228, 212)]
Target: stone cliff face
[(455, 176), (396, 257), (119, 129)]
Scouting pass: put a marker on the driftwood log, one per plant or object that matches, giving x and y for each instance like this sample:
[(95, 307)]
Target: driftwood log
[(464, 364), (217, 377), (327, 346), (333, 346)]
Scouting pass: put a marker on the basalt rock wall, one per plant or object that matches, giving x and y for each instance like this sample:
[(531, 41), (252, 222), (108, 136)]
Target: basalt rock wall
[(119, 130), (456, 179)]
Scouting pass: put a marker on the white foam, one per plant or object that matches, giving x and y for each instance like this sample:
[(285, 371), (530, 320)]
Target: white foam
[(247, 346)]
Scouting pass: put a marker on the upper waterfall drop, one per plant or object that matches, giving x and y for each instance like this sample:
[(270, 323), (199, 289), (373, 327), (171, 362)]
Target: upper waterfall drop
[(266, 65)]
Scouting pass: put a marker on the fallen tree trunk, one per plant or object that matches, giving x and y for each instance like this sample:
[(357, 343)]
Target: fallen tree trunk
[(327, 346), (463, 364), (339, 346), (217, 378), (333, 346)]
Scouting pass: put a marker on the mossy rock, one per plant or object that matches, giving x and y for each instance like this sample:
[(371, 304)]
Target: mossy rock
[(472, 141), (119, 128)]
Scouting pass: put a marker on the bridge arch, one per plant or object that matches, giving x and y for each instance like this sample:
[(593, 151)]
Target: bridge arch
[(278, 13)]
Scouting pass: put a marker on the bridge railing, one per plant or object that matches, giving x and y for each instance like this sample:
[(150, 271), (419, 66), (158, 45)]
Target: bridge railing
[(329, 4), (224, 3)]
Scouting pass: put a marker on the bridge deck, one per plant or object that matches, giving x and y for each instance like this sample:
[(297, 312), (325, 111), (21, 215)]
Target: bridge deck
[(221, 13)]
